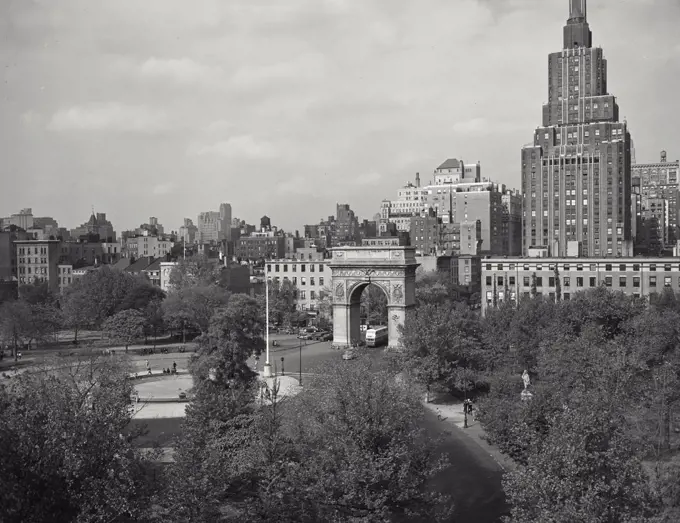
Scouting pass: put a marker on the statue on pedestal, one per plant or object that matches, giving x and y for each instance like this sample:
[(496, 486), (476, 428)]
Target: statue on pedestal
[(526, 379)]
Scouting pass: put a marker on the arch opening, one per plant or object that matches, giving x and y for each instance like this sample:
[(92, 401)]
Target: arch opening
[(369, 304)]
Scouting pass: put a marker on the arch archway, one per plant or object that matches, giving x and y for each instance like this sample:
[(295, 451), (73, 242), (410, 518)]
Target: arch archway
[(391, 268)]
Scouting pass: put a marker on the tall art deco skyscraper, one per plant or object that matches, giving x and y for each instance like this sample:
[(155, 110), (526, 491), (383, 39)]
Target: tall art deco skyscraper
[(576, 176)]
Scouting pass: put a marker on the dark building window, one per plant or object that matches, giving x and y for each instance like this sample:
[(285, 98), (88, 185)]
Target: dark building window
[(489, 281), (593, 281)]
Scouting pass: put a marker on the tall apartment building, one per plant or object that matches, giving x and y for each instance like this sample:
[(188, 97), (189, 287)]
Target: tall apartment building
[(460, 195), (23, 219), (576, 175), (188, 232), (260, 245), (409, 203), (215, 226), (657, 182), (346, 225), (38, 260), (431, 237)]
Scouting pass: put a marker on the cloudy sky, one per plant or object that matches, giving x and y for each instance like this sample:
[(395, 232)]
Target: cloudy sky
[(168, 107)]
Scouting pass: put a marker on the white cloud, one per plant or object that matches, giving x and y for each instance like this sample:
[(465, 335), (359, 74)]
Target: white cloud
[(244, 146), (32, 119), (371, 178), (219, 127), (163, 188), (483, 127), (181, 70), (305, 67), (110, 116)]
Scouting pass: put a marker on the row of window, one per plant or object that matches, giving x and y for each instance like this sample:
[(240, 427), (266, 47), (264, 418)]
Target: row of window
[(36, 270), (593, 267), (294, 266), (27, 250), (580, 281), (32, 260), (303, 280)]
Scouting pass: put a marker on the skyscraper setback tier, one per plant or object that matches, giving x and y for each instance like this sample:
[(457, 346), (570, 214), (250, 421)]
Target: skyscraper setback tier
[(576, 176)]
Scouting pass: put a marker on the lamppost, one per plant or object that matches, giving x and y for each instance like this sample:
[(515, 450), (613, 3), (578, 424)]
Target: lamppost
[(300, 374), (267, 371), (283, 372)]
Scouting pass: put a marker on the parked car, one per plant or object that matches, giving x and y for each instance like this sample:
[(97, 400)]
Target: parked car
[(326, 336), (349, 354)]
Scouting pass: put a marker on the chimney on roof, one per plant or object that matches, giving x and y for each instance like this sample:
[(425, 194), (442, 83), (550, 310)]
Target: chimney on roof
[(663, 156), (418, 180)]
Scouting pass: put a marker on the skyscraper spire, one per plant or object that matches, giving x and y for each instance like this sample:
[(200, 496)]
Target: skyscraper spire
[(577, 32), (578, 10)]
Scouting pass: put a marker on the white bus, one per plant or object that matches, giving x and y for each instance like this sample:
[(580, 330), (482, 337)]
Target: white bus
[(376, 336)]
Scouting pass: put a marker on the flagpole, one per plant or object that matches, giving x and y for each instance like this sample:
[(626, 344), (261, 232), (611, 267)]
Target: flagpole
[(267, 366)]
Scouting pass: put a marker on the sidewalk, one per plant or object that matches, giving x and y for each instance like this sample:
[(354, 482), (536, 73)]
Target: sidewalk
[(451, 412)]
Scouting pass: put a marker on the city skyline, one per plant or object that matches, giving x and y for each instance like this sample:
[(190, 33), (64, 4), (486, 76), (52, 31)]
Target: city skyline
[(342, 101)]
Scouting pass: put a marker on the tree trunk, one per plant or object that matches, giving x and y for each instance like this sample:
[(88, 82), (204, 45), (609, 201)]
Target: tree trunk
[(666, 428), (154, 336), (427, 393), (184, 337), (75, 335)]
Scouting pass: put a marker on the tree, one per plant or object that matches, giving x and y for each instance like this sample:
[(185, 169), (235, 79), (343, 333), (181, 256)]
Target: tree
[(96, 296), (534, 287), (214, 465), (193, 306), (140, 295), (374, 305), (75, 310), (64, 457), (282, 302), (15, 324), (360, 452), (36, 293), (584, 470), (234, 335), (154, 317), (436, 340), (558, 285), (126, 326), (195, 270)]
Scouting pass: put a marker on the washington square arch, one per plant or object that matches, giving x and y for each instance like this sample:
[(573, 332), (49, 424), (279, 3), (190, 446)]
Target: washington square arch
[(391, 268)]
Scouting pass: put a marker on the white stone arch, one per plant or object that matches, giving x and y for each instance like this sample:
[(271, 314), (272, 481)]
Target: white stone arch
[(392, 268)]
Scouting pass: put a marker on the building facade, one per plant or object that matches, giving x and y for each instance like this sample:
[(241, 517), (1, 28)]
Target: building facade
[(64, 275), (97, 225), (576, 175), (38, 260), (312, 280), (511, 279), (188, 232), (260, 245), (659, 181), (147, 245)]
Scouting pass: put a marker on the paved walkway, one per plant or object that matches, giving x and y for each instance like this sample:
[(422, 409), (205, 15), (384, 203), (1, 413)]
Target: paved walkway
[(155, 391), (452, 413)]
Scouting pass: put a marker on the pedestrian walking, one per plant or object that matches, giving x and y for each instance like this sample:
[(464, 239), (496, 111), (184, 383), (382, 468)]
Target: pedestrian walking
[(174, 367)]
